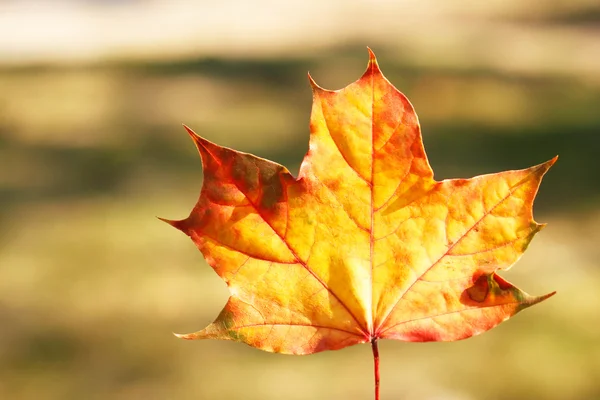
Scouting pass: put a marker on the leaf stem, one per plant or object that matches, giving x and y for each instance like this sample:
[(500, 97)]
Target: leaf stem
[(376, 365)]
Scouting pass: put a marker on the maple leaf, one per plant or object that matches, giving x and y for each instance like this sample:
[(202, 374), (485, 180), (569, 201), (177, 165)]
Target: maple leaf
[(364, 244)]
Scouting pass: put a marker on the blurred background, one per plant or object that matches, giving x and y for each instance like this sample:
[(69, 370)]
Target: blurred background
[(92, 97)]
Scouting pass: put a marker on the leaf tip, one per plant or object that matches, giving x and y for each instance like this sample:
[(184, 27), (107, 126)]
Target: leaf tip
[(197, 139), (539, 299), (185, 336), (542, 168), (372, 58), (178, 224), (315, 87), (202, 144), (372, 66), (191, 132)]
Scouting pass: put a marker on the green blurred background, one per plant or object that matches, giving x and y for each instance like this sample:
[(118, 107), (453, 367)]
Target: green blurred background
[(92, 97)]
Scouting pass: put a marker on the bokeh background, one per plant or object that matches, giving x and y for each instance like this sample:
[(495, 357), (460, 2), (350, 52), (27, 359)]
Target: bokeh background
[(92, 97)]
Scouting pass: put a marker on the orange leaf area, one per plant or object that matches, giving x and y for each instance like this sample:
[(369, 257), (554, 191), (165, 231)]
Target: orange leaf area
[(364, 244)]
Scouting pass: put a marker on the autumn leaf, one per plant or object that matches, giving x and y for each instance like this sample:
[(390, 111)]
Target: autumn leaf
[(364, 244)]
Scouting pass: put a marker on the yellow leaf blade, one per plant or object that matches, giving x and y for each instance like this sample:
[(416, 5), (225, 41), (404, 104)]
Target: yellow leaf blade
[(364, 244)]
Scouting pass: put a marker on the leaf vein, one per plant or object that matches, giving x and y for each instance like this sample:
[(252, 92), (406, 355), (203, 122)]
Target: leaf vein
[(447, 313), (340, 150), (297, 325)]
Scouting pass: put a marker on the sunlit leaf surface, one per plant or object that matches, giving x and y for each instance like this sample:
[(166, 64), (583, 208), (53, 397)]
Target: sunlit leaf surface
[(364, 244)]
